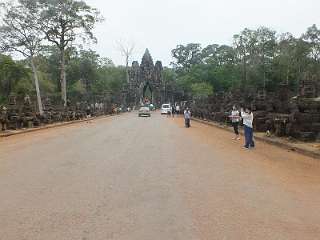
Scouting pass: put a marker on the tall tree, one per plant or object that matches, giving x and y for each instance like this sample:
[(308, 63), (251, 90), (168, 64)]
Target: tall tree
[(266, 45), (126, 50), (20, 33), (63, 21), (187, 56), (284, 57), (244, 45), (312, 36)]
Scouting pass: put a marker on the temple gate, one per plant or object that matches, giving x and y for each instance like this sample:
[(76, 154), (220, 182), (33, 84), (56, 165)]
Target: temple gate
[(145, 82)]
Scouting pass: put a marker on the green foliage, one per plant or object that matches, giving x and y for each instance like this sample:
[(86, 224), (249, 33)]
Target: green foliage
[(187, 56), (201, 90), (169, 75), (87, 73), (78, 88), (64, 21), (258, 59), (110, 80), (14, 76), (24, 86)]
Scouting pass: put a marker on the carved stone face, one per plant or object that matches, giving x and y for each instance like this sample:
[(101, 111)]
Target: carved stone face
[(27, 100)]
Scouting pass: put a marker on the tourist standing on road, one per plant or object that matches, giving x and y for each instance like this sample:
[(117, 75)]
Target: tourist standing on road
[(187, 117), (235, 119), (247, 117), (173, 110), (178, 109)]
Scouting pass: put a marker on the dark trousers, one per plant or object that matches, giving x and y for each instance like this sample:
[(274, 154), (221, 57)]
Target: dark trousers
[(187, 122), (248, 134), (236, 127), (3, 128)]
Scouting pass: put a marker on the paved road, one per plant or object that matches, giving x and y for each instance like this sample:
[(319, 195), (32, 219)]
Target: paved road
[(130, 178)]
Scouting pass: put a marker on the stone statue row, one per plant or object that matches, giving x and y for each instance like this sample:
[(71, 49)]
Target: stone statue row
[(17, 115), (280, 112)]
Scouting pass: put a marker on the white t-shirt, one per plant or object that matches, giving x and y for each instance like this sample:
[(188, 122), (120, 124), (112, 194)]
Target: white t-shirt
[(235, 116), (247, 119), (187, 114)]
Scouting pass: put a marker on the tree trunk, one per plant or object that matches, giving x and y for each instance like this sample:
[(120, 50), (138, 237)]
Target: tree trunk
[(63, 79), (127, 69), (244, 78), (264, 72), (36, 82), (264, 78)]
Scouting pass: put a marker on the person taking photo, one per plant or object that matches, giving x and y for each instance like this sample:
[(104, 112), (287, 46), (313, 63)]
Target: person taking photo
[(247, 117)]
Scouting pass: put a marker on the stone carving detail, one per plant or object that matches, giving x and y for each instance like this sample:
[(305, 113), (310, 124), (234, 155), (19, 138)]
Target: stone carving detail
[(158, 73), (308, 86), (146, 68), (22, 113)]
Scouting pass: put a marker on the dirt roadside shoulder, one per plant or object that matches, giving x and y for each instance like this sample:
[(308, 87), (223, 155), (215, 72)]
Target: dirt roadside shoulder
[(307, 149)]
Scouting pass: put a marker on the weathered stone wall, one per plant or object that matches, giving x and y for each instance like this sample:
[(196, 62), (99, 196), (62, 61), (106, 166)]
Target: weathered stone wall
[(22, 113), (280, 113)]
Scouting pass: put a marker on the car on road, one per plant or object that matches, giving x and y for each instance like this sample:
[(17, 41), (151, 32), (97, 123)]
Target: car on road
[(144, 112), (166, 108)]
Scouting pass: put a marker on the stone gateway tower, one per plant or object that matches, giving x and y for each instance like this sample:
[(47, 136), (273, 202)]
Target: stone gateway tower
[(145, 81)]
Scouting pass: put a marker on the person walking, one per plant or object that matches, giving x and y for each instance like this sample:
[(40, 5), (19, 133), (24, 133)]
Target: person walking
[(178, 109), (247, 117), (235, 119), (187, 117), (173, 110)]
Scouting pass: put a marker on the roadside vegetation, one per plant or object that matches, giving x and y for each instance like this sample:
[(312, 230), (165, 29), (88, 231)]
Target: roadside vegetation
[(259, 59), (45, 34)]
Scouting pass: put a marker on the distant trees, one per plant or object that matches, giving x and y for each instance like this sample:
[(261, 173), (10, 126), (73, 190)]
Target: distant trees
[(63, 21), (187, 56), (28, 25), (20, 33), (44, 32), (88, 75), (14, 77), (201, 90), (259, 59)]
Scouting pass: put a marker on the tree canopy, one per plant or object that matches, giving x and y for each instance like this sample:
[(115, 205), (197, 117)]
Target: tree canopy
[(258, 59)]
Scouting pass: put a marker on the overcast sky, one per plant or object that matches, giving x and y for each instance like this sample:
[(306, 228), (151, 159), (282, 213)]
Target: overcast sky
[(160, 25)]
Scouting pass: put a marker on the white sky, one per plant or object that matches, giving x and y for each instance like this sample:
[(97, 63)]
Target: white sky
[(160, 25)]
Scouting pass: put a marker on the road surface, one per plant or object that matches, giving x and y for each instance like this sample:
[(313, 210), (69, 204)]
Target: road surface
[(130, 178)]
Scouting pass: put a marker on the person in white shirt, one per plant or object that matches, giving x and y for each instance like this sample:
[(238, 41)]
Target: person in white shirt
[(247, 117), (187, 117), (178, 109), (235, 119)]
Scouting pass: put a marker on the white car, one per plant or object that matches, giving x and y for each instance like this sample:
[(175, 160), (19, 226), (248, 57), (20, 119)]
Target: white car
[(144, 112), (165, 109)]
